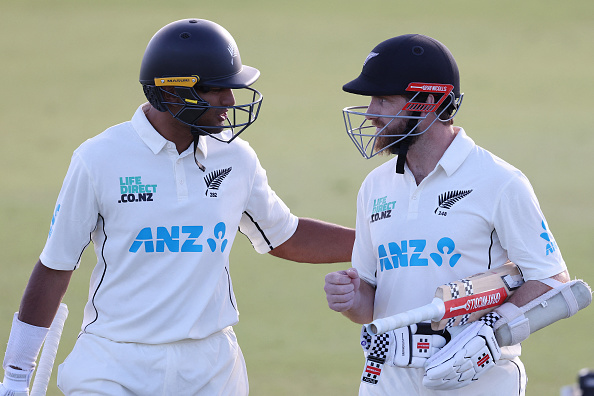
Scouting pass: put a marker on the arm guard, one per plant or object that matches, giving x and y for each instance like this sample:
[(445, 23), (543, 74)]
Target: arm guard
[(564, 300)]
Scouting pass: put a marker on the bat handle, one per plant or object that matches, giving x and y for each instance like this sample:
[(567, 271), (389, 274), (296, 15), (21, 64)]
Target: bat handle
[(433, 311), (48, 355)]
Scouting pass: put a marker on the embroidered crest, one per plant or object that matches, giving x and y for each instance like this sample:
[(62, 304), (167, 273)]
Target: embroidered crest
[(214, 179), (446, 200)]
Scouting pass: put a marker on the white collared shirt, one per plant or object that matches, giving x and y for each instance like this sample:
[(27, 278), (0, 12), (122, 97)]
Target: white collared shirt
[(162, 230), (474, 211)]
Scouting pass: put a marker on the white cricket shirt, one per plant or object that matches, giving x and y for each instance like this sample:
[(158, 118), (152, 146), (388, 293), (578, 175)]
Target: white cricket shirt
[(162, 230), (473, 212)]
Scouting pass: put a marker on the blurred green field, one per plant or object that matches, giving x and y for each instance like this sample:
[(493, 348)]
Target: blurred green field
[(70, 70)]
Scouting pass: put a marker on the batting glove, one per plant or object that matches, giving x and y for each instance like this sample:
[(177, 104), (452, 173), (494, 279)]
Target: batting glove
[(466, 358), (408, 346), (16, 382)]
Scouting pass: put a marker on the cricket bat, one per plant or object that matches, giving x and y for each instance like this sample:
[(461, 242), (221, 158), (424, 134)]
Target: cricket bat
[(48, 354), (458, 302)]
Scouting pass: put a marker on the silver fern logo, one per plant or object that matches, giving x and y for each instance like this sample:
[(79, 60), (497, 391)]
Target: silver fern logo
[(232, 51), (446, 200), (213, 181)]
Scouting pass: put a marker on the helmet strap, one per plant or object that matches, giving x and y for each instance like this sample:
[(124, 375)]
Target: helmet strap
[(405, 143), (402, 150), (196, 133)]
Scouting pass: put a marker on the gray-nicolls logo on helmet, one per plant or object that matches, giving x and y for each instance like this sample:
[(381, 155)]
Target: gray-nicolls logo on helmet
[(414, 66), (190, 56)]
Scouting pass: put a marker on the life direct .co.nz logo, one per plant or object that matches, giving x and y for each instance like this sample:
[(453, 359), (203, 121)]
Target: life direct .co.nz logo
[(408, 253), (133, 190)]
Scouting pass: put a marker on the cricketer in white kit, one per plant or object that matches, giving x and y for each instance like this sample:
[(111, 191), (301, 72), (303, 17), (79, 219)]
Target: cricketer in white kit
[(181, 232), (441, 210), (456, 223), (162, 197), (163, 255)]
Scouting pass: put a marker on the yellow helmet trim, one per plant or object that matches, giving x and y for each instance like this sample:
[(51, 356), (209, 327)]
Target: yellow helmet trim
[(176, 81)]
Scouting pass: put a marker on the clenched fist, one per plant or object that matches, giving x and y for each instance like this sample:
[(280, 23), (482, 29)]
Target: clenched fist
[(341, 288)]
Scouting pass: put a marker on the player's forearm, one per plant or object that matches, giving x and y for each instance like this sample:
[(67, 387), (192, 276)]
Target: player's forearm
[(533, 289), (43, 295), (316, 241), (362, 310)]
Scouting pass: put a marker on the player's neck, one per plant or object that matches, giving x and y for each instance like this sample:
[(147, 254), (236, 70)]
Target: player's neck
[(170, 128), (425, 153)]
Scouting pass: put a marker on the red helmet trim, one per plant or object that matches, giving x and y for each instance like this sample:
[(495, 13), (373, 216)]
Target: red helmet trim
[(443, 89)]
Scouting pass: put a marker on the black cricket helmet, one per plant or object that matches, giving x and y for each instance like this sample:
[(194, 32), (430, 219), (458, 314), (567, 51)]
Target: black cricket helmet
[(412, 65), (194, 55)]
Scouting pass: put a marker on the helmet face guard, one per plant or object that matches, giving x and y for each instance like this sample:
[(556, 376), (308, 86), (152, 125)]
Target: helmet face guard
[(189, 107), (365, 135)]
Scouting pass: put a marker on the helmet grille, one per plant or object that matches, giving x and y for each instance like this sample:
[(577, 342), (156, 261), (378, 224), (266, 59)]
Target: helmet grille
[(185, 35)]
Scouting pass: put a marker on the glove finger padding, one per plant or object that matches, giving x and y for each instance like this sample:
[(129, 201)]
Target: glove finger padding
[(409, 346), (411, 349), (423, 347), (468, 356)]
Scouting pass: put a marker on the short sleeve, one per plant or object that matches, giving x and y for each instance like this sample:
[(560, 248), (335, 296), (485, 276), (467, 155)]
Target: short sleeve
[(266, 221), (364, 258), (524, 232), (75, 217)]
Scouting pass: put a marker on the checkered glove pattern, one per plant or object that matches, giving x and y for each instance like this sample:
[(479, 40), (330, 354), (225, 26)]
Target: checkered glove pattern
[(376, 350), (466, 358), (401, 348)]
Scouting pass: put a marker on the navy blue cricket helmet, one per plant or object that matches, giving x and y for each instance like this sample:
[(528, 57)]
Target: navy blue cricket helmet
[(413, 65), (191, 55)]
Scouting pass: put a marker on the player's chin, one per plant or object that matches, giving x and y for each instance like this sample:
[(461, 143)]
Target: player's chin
[(215, 130), (386, 145)]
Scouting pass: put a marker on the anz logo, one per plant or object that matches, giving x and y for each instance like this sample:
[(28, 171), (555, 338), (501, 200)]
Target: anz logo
[(547, 236), (178, 239), (51, 230), (411, 253)]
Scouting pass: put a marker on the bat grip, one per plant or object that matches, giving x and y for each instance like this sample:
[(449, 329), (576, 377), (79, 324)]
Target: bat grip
[(433, 311), (48, 355)]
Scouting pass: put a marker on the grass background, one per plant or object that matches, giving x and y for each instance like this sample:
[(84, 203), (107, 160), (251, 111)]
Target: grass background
[(69, 70)]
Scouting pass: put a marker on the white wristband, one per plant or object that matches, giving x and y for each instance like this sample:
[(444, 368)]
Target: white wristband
[(17, 381), (24, 344)]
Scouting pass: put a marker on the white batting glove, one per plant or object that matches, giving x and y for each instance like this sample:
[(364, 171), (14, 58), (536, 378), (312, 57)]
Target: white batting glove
[(403, 347), (412, 349), (16, 382), (465, 359)]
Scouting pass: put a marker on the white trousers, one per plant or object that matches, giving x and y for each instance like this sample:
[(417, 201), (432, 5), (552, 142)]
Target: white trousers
[(508, 378), (207, 367)]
